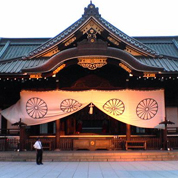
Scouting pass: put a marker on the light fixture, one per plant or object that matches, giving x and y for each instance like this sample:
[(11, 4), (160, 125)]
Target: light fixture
[(91, 108)]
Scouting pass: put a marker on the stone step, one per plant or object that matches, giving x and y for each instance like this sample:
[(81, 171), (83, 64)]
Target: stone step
[(91, 156)]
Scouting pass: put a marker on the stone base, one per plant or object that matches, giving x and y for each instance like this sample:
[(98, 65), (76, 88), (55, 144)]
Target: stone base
[(91, 156)]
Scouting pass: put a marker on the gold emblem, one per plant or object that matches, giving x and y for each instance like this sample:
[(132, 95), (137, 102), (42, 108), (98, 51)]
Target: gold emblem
[(92, 63), (92, 143)]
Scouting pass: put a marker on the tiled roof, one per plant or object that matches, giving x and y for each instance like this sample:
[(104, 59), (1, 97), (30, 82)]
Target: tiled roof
[(15, 48), (130, 40), (57, 39), (92, 13), (16, 65), (169, 64), (164, 45)]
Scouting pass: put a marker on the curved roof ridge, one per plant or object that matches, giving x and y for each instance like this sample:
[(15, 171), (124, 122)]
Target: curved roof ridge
[(127, 38), (92, 11), (55, 40)]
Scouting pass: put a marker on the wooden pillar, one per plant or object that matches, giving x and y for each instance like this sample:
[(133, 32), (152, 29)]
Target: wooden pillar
[(128, 132), (68, 125), (58, 134), (74, 125), (165, 138), (22, 138), (161, 138)]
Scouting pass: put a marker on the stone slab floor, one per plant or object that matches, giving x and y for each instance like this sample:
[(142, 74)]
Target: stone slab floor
[(144, 169)]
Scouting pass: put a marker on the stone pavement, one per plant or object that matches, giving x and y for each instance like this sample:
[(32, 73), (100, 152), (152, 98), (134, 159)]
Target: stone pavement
[(144, 169)]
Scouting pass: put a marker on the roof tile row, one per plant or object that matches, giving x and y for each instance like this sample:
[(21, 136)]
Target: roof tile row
[(15, 66), (169, 65)]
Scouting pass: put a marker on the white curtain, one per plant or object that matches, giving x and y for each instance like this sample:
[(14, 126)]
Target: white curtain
[(139, 108)]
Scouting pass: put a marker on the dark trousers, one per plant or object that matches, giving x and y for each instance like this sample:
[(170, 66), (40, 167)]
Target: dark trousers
[(39, 156)]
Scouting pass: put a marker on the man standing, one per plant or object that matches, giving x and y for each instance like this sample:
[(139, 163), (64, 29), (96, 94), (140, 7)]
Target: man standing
[(39, 151)]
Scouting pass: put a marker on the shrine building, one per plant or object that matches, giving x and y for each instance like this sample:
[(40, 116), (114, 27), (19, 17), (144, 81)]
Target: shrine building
[(90, 87)]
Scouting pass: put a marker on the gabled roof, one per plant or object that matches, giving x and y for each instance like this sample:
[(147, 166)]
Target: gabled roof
[(22, 56), (91, 13)]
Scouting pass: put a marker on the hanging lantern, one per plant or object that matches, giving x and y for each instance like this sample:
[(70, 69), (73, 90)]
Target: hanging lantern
[(91, 108)]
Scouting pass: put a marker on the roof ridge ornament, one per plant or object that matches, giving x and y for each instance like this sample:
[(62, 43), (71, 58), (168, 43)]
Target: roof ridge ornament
[(91, 10)]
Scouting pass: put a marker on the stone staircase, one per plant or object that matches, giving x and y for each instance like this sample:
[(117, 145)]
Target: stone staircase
[(91, 156)]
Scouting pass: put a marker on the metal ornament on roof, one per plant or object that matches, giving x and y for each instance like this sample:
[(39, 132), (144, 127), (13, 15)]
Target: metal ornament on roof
[(92, 63)]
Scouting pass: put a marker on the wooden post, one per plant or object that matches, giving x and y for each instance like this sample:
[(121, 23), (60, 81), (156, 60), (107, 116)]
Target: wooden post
[(22, 138), (165, 138), (128, 131), (58, 134), (161, 138), (74, 128)]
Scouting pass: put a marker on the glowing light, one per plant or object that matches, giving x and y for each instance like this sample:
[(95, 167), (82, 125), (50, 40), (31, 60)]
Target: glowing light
[(125, 67), (59, 69), (149, 75), (91, 108), (38, 75)]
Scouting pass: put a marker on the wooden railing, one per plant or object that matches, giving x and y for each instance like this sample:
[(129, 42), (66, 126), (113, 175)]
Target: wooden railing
[(48, 143), (9, 144), (119, 144), (12, 143), (135, 144), (11, 132), (66, 143), (172, 142)]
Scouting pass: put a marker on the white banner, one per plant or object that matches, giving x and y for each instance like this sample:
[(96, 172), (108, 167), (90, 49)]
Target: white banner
[(139, 108)]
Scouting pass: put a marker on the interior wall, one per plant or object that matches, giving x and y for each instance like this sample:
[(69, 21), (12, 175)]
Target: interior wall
[(172, 115)]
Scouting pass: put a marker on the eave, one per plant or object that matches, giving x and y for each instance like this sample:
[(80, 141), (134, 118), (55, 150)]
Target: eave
[(86, 49)]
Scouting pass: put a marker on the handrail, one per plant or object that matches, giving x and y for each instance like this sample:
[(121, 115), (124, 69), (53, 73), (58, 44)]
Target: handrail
[(8, 132)]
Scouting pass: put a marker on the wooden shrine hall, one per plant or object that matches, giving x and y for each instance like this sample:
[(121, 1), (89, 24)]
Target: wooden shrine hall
[(90, 87)]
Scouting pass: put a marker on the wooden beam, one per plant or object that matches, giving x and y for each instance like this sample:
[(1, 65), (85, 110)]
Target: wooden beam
[(128, 131), (22, 138)]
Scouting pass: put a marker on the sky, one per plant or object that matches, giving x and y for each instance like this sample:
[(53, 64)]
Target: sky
[(48, 18)]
